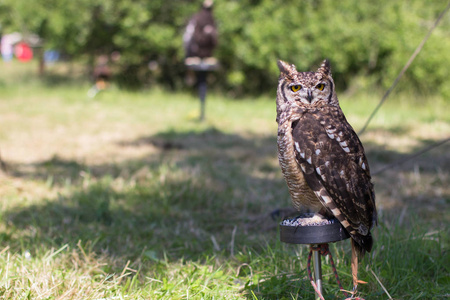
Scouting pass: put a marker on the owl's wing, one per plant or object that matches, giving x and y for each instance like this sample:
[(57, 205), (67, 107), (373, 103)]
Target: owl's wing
[(188, 35), (335, 167)]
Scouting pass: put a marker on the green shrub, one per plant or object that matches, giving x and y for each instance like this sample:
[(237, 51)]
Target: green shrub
[(361, 38)]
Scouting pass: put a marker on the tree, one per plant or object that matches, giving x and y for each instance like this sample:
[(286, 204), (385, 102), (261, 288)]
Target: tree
[(362, 39)]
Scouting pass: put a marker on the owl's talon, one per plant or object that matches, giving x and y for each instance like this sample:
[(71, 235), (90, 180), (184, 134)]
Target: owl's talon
[(318, 218)]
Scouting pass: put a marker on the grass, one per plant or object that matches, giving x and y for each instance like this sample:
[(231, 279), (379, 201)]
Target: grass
[(128, 196)]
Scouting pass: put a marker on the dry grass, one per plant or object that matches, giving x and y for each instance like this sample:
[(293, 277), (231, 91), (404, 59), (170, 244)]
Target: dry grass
[(128, 196)]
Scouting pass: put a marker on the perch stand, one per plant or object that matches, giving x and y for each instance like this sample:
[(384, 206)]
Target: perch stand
[(305, 230), (201, 67)]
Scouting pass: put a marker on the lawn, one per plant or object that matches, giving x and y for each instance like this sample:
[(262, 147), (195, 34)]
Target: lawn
[(128, 196)]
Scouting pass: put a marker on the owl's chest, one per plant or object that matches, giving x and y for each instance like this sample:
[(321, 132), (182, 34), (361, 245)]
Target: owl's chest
[(301, 193), (286, 154)]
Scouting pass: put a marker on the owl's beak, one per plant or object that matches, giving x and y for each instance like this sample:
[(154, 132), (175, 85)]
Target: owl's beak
[(309, 96)]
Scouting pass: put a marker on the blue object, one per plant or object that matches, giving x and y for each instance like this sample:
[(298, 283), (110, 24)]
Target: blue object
[(51, 56)]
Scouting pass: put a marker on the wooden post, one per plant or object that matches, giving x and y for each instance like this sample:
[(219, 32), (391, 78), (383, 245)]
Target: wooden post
[(202, 86)]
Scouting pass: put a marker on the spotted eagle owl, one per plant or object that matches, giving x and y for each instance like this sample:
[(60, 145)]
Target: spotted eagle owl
[(321, 157), (200, 37)]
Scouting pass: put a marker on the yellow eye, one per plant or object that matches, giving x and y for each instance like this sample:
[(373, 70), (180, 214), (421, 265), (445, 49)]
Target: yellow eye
[(296, 88), (320, 86)]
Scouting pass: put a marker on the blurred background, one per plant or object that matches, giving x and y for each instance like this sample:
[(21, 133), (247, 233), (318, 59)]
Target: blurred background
[(367, 42), (111, 188)]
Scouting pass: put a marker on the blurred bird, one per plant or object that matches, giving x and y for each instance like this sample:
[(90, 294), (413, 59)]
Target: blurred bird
[(200, 38)]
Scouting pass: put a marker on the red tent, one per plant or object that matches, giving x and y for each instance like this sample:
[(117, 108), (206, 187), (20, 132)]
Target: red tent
[(23, 52)]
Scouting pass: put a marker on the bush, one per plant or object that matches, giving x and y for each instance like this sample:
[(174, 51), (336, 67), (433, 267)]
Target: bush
[(361, 38)]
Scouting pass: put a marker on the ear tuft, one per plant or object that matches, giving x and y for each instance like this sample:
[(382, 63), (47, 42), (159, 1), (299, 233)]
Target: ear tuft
[(286, 68), (325, 67)]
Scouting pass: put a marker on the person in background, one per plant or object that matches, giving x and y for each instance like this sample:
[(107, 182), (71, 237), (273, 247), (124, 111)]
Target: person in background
[(102, 75)]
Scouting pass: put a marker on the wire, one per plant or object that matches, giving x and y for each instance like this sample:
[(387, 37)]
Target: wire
[(413, 56), (401, 161)]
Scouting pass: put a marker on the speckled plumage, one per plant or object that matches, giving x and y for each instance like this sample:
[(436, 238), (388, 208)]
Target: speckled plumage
[(321, 157)]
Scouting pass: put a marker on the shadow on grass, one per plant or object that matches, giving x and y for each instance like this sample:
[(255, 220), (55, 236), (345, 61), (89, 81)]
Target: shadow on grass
[(55, 168), (203, 194), (184, 201), (218, 165)]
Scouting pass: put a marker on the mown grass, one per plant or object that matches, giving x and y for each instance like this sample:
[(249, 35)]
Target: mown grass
[(128, 196)]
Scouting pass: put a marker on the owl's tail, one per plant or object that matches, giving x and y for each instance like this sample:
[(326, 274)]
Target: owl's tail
[(362, 243)]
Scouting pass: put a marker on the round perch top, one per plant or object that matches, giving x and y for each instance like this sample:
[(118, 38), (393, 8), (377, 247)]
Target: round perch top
[(306, 229), (199, 64)]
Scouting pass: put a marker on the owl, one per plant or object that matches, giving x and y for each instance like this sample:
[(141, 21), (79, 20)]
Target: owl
[(200, 37), (321, 156)]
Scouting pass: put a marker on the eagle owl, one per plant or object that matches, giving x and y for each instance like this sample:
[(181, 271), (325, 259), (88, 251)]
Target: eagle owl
[(200, 37), (321, 157)]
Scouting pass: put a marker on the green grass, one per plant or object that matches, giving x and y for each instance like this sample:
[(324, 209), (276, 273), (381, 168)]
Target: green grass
[(128, 196)]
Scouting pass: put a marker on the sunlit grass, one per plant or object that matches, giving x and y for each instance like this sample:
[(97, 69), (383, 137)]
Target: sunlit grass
[(128, 195)]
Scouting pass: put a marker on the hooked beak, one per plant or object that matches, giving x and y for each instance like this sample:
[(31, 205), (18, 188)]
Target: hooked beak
[(309, 95)]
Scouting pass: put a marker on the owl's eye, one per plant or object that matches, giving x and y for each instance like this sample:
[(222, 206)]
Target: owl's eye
[(296, 88), (320, 86)]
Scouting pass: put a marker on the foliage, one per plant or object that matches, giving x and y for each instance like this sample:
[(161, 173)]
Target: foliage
[(361, 38), (367, 40)]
